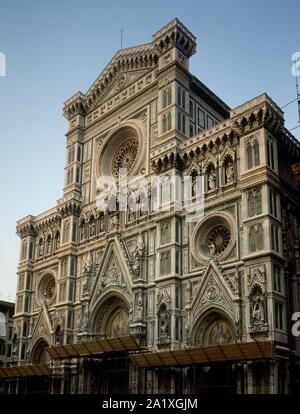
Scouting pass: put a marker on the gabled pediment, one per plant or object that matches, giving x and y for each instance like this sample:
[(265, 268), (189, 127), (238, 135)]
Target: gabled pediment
[(113, 273), (124, 68), (212, 292), (121, 81), (43, 327)]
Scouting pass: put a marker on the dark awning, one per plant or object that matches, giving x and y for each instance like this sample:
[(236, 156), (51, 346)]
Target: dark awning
[(88, 349), (32, 370), (206, 355)]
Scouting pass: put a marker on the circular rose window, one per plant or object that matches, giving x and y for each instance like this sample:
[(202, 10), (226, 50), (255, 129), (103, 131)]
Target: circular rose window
[(125, 156), (218, 239), (214, 236), (47, 288), (123, 148)]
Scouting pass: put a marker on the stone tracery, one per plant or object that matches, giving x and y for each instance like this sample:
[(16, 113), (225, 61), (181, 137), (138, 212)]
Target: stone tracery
[(125, 156)]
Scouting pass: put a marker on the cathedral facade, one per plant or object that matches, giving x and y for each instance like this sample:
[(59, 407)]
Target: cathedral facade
[(186, 278)]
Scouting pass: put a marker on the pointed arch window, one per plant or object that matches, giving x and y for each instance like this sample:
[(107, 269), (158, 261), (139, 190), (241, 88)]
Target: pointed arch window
[(254, 203), (258, 197), (79, 153), (256, 154), (249, 156), (183, 124), (183, 99), (31, 250), (251, 205), (164, 124), (164, 98), (71, 155), (260, 237), (169, 121), (252, 240), (256, 238), (179, 121), (179, 91)]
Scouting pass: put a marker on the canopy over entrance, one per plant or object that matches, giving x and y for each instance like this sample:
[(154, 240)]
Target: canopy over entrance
[(92, 348), (206, 355), (33, 370)]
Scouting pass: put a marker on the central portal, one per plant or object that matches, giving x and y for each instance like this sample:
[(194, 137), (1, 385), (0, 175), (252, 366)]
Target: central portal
[(110, 374)]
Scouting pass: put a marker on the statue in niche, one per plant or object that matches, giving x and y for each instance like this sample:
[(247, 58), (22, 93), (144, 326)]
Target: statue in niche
[(49, 246), (163, 321), (140, 245), (229, 173), (92, 228), (257, 310), (41, 248), (212, 180), (139, 309), (83, 231), (138, 254)]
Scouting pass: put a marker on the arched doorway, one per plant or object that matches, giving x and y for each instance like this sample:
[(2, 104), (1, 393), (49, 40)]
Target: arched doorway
[(117, 324), (111, 318), (110, 374), (39, 355), (213, 329)]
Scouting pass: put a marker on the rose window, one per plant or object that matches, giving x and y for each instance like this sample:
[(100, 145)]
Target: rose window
[(218, 239), (214, 236), (47, 289), (125, 157), (50, 289)]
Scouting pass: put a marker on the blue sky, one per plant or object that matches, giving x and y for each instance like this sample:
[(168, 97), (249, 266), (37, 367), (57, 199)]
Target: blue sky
[(54, 49)]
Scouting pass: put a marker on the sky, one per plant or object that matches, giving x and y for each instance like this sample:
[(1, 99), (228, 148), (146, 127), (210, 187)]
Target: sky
[(55, 48)]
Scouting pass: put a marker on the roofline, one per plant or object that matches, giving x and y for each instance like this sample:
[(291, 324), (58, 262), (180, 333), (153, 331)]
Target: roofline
[(210, 97), (7, 304)]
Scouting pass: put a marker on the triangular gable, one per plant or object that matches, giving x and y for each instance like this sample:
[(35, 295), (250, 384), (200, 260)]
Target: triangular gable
[(43, 327), (122, 80), (113, 273), (212, 292), (132, 62)]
